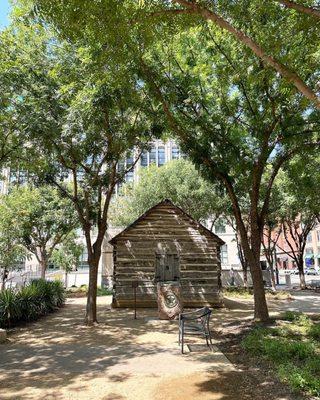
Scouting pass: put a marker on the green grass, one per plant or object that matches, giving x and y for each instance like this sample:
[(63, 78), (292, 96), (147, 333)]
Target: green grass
[(292, 346), (244, 293)]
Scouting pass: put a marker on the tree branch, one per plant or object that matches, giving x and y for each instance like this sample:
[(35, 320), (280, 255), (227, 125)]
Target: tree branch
[(300, 8), (290, 75)]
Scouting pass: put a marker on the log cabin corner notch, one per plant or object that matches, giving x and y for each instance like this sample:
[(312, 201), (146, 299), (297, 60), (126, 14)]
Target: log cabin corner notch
[(166, 244)]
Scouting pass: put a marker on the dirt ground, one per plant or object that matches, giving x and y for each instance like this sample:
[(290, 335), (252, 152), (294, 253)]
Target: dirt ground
[(59, 358)]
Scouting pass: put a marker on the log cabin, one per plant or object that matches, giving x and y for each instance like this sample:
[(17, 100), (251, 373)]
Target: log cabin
[(165, 244)]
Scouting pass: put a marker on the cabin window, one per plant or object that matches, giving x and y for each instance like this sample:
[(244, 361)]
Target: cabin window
[(167, 267)]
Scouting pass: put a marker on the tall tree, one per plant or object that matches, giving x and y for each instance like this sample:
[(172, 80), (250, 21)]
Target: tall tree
[(42, 220), (237, 121), (299, 209), (82, 114), (11, 250), (178, 181)]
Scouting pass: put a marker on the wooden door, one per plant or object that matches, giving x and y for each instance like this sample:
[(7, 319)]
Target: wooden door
[(167, 267)]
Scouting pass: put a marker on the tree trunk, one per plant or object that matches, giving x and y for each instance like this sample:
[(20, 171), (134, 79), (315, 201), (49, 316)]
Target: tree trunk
[(301, 274), (245, 275), (273, 278), (91, 309), (252, 255), (260, 304), (43, 267), (243, 262), (4, 278)]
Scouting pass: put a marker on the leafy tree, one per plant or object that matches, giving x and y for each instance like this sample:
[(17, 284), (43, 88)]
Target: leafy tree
[(237, 121), (236, 118), (278, 32), (11, 250), (178, 181), (82, 115), (299, 209), (67, 255), (41, 219)]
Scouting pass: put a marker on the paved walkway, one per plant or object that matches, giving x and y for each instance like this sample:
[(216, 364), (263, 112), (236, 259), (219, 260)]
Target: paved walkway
[(121, 358)]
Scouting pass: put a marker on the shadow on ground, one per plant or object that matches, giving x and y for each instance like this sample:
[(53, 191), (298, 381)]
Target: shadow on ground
[(59, 358)]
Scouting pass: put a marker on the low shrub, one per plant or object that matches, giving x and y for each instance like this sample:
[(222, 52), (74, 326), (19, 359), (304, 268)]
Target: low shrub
[(81, 291), (39, 298), (314, 331), (102, 291)]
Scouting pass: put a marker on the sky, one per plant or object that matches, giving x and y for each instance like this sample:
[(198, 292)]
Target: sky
[(4, 11)]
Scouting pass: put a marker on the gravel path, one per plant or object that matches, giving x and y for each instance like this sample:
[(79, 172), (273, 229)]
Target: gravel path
[(121, 358)]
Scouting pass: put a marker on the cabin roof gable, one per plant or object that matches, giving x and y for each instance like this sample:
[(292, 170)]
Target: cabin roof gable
[(168, 202)]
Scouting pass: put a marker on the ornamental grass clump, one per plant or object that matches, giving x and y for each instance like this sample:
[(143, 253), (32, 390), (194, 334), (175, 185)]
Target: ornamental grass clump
[(39, 298)]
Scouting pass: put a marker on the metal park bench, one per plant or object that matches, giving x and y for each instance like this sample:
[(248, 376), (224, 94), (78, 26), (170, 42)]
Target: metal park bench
[(195, 323)]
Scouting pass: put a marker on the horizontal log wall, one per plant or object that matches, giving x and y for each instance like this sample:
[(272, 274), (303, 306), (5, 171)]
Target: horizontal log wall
[(166, 229)]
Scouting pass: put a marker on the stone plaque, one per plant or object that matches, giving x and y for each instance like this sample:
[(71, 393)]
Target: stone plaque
[(169, 299)]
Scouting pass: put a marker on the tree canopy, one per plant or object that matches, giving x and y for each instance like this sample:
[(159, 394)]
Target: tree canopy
[(42, 220), (282, 34), (114, 72), (82, 115), (178, 181)]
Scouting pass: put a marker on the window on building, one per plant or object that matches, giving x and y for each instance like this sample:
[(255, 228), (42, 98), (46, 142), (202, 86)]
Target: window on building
[(318, 236), (220, 226), (20, 265), (120, 168), (129, 160), (309, 237), (129, 164), (161, 156), (175, 153), (53, 267), (83, 262), (153, 156), (183, 155), (224, 254), (130, 176), (18, 177), (144, 159)]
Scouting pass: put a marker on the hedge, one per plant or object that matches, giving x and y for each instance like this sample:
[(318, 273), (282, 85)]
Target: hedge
[(38, 298)]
